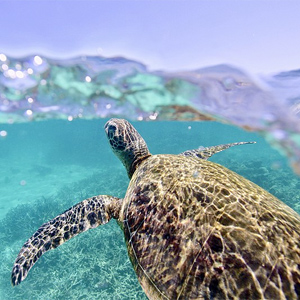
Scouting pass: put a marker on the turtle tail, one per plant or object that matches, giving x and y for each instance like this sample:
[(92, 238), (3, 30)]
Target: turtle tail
[(85, 215)]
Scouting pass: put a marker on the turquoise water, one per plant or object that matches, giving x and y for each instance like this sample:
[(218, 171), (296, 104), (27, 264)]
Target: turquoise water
[(48, 166)]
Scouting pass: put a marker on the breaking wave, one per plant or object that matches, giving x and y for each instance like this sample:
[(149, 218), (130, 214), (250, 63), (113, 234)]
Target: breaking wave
[(38, 88)]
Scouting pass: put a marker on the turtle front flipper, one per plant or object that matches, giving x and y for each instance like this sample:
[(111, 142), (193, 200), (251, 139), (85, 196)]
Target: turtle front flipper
[(85, 215), (207, 152)]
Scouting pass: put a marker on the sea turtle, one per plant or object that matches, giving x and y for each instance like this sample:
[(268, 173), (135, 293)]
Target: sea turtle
[(194, 229)]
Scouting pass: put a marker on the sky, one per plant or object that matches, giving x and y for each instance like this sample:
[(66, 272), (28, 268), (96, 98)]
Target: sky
[(259, 36)]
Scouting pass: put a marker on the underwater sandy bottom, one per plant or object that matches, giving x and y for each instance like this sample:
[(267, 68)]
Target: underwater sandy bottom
[(40, 178)]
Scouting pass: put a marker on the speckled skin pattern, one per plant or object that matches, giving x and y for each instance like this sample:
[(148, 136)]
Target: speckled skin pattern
[(81, 217), (196, 230), (207, 152), (126, 143)]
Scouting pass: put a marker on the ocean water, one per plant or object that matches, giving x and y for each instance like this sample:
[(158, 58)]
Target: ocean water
[(48, 166), (54, 153)]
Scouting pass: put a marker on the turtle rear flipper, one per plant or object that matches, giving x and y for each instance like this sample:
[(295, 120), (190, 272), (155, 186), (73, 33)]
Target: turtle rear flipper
[(207, 152), (85, 215)]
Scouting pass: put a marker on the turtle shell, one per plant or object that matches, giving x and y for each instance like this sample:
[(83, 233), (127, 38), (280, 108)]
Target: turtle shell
[(196, 230)]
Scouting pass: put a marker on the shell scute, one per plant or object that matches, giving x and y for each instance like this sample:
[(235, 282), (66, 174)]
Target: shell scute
[(211, 236)]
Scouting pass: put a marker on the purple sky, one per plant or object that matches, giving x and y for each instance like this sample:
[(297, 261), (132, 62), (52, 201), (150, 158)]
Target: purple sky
[(260, 36)]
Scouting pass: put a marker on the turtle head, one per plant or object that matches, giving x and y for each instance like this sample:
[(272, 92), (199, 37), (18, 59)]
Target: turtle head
[(126, 143)]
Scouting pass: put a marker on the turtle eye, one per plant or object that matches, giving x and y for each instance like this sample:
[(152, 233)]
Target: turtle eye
[(111, 131)]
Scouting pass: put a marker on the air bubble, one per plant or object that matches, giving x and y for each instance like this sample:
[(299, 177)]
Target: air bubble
[(23, 182), (37, 60), (3, 133)]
